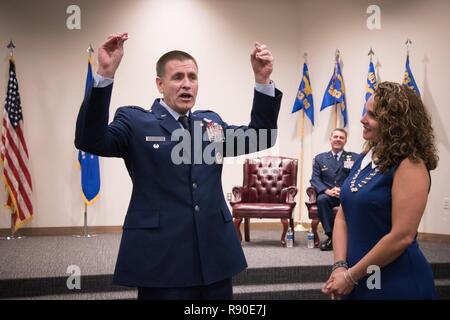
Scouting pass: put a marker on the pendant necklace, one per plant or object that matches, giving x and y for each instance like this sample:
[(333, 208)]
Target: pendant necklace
[(361, 184)]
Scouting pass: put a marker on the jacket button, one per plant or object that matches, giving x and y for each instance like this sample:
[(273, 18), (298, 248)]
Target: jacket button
[(194, 185), (197, 208)]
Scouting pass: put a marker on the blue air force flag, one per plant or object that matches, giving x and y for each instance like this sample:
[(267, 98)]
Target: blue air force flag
[(304, 99), (371, 85), (89, 163), (335, 93), (409, 78), (90, 176)]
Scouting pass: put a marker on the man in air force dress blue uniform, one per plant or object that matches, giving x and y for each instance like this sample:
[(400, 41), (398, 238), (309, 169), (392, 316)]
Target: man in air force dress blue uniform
[(178, 239), (330, 169)]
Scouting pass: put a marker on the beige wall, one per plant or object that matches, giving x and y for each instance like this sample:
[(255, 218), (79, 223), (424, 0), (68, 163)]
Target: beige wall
[(51, 62)]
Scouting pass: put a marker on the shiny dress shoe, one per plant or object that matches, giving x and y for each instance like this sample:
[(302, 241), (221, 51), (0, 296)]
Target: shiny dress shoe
[(327, 245)]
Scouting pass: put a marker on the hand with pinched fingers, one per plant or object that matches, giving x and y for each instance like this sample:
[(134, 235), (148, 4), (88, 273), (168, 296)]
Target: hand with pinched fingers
[(262, 63), (327, 289), (110, 54), (338, 284)]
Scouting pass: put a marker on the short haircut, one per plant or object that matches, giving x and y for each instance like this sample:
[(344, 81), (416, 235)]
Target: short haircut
[(341, 130), (169, 56)]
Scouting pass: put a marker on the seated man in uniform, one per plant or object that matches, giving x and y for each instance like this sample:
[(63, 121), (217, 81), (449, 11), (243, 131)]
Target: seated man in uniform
[(330, 169)]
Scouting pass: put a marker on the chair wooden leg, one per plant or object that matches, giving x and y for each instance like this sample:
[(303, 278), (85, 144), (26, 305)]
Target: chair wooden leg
[(247, 229), (285, 227), (291, 224), (237, 224), (314, 224)]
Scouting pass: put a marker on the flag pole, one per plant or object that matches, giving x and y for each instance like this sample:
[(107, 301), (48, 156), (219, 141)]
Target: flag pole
[(11, 46), (86, 234), (299, 227), (335, 116), (300, 189), (302, 135), (85, 228), (12, 230)]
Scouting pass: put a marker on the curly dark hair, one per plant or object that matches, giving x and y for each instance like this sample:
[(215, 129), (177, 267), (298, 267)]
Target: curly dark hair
[(405, 128)]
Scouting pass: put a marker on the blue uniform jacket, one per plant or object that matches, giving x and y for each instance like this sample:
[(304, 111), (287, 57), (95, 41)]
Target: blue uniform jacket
[(178, 230), (329, 173)]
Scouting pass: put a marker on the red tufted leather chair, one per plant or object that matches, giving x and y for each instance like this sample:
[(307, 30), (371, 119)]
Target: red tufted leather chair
[(268, 191)]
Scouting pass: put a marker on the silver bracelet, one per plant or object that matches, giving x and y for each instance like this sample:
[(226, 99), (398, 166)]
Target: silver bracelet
[(339, 264), (348, 277)]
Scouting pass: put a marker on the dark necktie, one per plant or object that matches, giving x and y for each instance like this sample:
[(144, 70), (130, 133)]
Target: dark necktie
[(336, 156), (184, 120)]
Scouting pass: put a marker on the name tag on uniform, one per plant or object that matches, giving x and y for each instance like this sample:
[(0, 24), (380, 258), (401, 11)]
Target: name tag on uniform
[(214, 132), (324, 168), (155, 138)]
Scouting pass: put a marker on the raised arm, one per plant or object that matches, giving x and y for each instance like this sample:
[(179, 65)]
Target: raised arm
[(262, 63), (92, 133), (110, 54), (261, 132)]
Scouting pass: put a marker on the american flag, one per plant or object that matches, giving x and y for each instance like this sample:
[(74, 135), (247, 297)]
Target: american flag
[(14, 154)]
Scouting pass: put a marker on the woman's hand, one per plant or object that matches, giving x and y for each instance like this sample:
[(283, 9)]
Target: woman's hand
[(338, 284)]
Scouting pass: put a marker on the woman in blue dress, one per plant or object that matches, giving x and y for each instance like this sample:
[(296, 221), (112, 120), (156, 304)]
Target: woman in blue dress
[(382, 202)]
